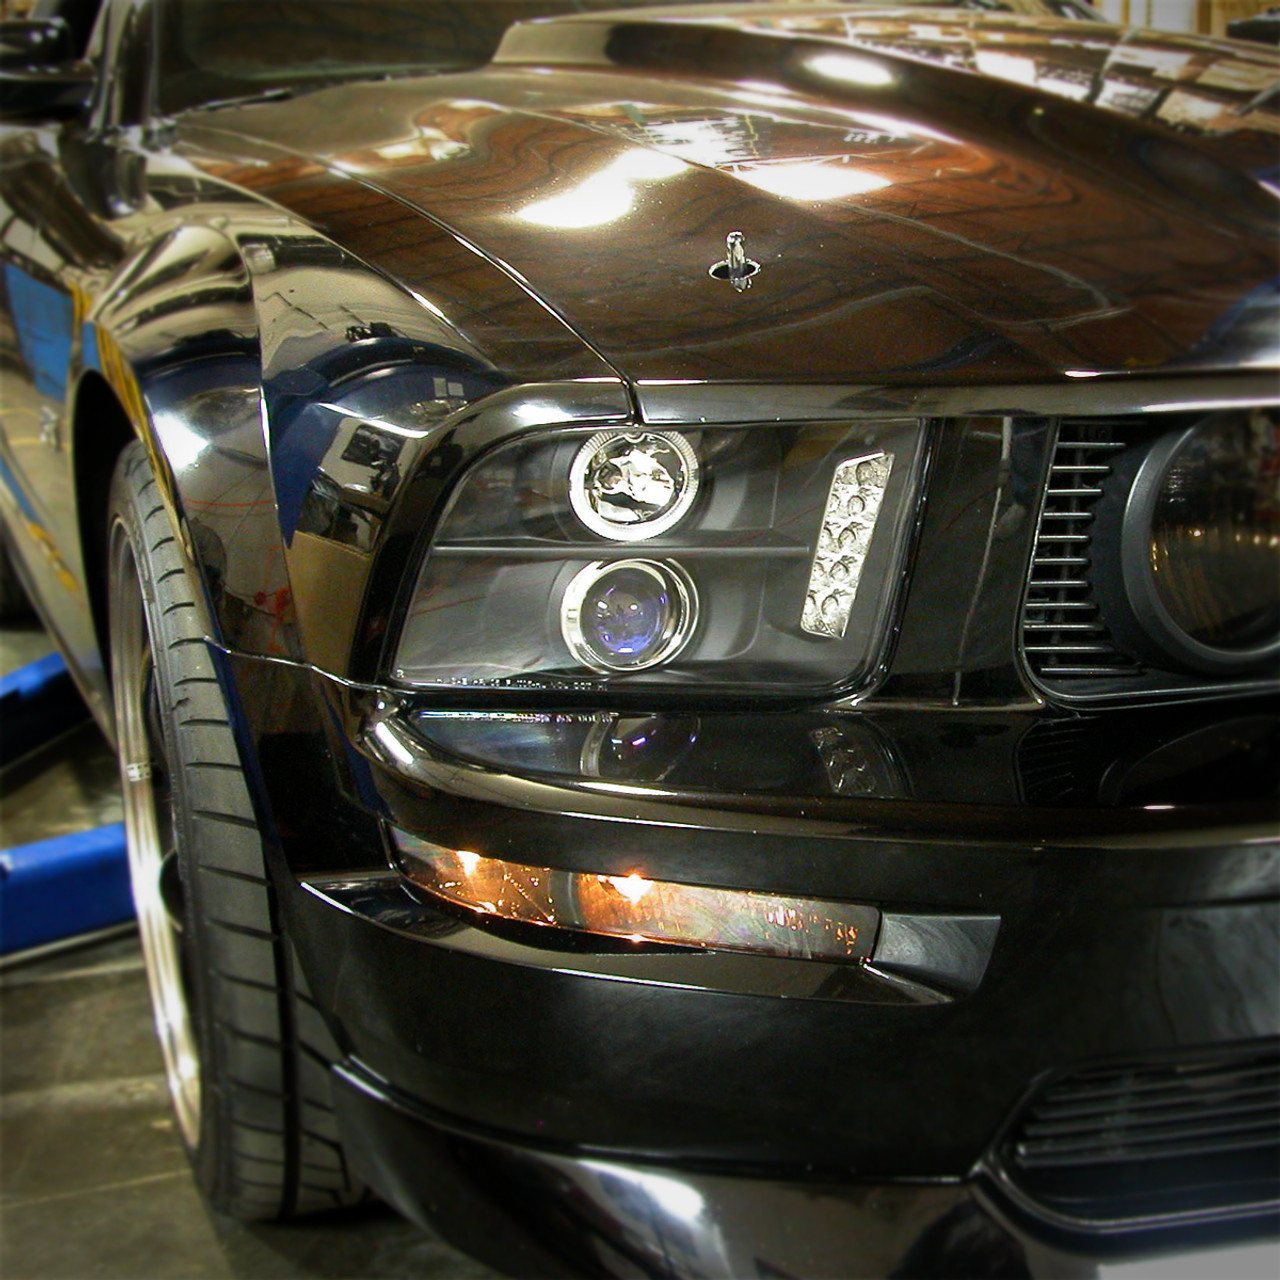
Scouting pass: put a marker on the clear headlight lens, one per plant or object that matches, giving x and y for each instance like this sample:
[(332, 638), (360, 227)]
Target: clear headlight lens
[(1215, 534), (724, 557), (1201, 547)]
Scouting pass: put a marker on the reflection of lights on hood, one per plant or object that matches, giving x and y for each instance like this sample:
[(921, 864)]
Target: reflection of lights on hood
[(901, 128), (605, 196), (181, 445), (809, 179), (1007, 66), (849, 68)]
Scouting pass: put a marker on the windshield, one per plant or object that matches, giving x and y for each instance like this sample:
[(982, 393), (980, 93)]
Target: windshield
[(218, 50)]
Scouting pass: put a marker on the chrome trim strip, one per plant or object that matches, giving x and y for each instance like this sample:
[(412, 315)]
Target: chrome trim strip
[(707, 402)]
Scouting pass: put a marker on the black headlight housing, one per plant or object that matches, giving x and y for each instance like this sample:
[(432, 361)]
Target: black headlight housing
[(1186, 548), (692, 560)]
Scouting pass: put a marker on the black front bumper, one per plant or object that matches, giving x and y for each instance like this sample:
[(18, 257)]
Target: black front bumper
[(536, 1211), (537, 1083)]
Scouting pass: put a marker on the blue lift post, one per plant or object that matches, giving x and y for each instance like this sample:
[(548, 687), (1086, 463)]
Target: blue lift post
[(37, 703), (71, 885)]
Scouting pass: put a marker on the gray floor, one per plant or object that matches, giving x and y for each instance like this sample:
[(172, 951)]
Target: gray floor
[(93, 1179)]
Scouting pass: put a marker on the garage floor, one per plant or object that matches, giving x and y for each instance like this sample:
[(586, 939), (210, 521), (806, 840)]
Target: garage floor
[(93, 1179)]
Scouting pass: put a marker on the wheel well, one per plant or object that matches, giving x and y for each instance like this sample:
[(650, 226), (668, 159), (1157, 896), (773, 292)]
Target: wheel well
[(100, 430)]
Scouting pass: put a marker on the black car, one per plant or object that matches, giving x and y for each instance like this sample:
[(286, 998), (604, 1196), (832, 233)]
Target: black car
[(689, 600)]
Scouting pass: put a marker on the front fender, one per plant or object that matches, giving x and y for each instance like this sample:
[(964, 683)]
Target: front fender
[(291, 398)]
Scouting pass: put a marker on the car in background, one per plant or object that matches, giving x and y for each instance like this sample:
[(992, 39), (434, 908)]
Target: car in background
[(689, 601)]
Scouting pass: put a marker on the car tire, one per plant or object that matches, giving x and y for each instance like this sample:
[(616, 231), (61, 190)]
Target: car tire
[(246, 1053), (13, 599)]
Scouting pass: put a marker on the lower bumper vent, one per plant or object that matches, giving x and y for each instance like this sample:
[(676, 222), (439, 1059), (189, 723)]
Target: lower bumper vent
[(1153, 1141)]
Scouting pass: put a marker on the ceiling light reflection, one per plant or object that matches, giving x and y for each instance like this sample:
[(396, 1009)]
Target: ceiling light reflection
[(810, 180), (849, 68), (606, 195)]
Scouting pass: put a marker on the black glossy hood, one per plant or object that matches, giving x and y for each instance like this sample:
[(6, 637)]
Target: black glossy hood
[(931, 197)]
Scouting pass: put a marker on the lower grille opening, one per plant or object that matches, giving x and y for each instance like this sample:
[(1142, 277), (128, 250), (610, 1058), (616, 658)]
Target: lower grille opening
[(1153, 1141)]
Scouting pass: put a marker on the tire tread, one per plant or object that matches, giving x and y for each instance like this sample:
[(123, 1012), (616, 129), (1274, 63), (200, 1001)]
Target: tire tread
[(273, 1145)]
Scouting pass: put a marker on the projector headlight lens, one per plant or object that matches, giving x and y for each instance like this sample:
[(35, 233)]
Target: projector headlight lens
[(1201, 544), (1215, 534), (629, 614), (633, 485)]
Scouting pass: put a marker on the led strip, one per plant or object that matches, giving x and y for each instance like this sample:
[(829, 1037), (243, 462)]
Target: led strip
[(848, 521)]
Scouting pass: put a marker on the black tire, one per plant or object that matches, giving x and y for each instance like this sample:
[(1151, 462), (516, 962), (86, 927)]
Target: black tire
[(229, 999), (13, 599)]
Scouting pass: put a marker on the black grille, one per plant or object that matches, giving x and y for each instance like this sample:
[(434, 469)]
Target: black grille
[(1154, 1139), (1064, 638)]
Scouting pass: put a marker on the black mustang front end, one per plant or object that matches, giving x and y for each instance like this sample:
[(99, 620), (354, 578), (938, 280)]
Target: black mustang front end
[(936, 982), (692, 608)]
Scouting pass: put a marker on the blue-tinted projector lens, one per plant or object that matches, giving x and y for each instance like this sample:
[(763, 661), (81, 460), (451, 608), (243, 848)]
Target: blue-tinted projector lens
[(625, 615), (628, 615)]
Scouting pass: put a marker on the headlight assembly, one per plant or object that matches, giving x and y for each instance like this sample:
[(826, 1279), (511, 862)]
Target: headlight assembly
[(761, 558), (1194, 582)]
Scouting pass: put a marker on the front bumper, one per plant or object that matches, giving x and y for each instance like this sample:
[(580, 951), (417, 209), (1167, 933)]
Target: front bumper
[(874, 1118), (537, 1211)]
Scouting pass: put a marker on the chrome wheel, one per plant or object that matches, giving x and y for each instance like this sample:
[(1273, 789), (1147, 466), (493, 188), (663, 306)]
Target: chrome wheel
[(148, 814)]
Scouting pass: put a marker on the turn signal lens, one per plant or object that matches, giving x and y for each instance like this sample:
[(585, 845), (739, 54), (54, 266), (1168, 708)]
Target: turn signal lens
[(642, 909)]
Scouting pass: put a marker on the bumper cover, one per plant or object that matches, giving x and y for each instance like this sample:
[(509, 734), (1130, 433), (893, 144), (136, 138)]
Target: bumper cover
[(539, 1211)]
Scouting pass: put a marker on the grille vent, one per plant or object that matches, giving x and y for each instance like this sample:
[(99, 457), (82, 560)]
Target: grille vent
[(1050, 757), (1065, 640), (1154, 1139)]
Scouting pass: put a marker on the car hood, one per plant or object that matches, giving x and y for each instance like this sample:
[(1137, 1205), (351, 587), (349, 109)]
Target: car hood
[(933, 198)]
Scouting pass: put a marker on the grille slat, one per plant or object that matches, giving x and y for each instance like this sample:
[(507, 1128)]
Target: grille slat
[(1059, 604), (1065, 626), (1248, 1102), (1138, 1152), (1103, 1087), (1141, 1137)]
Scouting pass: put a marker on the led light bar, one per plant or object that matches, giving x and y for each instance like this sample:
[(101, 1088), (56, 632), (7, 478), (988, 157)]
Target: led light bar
[(643, 910), (849, 520)]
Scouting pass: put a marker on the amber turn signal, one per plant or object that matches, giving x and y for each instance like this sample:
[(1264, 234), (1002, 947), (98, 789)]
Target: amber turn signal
[(639, 908)]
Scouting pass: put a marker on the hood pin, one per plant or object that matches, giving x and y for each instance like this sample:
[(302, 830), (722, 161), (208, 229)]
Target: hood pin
[(736, 268)]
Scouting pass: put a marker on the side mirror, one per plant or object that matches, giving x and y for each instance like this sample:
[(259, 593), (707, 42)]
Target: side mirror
[(29, 44)]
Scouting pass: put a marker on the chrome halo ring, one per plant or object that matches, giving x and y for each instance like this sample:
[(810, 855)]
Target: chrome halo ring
[(685, 484)]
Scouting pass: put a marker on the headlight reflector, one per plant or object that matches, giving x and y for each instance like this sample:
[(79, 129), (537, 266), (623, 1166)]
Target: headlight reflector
[(633, 485)]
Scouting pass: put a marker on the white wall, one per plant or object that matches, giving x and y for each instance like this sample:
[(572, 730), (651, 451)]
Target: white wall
[(1164, 15)]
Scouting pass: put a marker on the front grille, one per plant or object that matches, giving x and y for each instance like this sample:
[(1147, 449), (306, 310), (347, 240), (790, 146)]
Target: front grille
[(1064, 639), (1153, 1140)]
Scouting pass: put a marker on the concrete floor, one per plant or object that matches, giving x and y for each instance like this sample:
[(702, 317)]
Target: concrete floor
[(93, 1178)]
